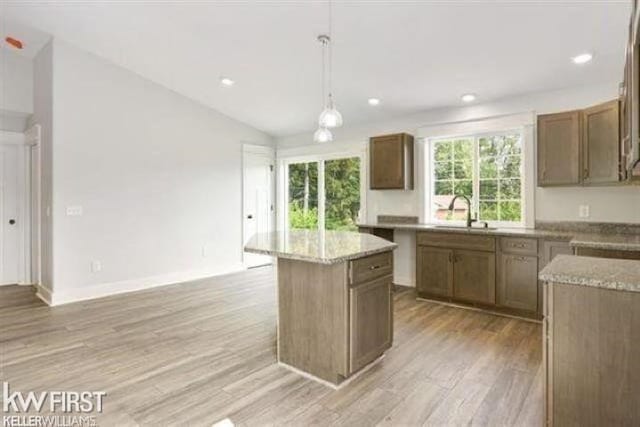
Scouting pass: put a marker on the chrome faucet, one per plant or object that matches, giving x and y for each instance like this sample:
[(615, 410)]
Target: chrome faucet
[(469, 219)]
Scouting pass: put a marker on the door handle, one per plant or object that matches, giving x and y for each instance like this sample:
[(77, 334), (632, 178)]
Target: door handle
[(12, 221), (249, 216)]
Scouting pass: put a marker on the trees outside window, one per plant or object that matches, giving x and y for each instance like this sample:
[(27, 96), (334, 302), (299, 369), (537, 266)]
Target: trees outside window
[(339, 208), (485, 168)]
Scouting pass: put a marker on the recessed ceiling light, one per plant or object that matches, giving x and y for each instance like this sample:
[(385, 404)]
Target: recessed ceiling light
[(226, 81), (373, 101), (583, 58), (468, 97)]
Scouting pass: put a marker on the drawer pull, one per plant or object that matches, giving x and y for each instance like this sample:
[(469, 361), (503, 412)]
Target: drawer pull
[(519, 245), (375, 267)]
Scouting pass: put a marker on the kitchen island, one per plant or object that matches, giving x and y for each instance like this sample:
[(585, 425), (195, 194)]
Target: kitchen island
[(335, 308)]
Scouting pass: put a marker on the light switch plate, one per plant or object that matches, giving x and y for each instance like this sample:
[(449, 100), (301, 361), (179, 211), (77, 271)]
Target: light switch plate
[(74, 210), (584, 211), (96, 266)]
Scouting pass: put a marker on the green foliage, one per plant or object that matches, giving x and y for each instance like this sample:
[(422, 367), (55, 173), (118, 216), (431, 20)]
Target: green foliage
[(299, 219), (342, 189), (342, 194), (499, 173)]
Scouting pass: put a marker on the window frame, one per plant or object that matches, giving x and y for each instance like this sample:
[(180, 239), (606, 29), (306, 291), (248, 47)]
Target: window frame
[(283, 179), (475, 206)]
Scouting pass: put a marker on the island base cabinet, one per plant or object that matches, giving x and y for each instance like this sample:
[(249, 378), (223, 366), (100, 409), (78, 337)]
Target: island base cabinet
[(334, 319), (371, 325), (591, 356)]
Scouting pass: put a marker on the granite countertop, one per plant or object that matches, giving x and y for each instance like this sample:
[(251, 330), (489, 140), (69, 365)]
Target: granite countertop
[(620, 242), (616, 274), (515, 232), (324, 247)]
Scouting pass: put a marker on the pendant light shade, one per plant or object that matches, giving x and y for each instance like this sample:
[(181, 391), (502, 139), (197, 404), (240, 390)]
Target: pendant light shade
[(322, 135), (330, 116)]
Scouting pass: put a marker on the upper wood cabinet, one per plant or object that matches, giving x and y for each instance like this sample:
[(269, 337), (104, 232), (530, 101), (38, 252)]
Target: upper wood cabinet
[(559, 149), (391, 162), (580, 147), (601, 143)]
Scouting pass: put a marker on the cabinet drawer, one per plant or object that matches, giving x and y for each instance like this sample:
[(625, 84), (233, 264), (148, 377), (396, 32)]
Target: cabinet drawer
[(457, 241), (516, 245), (371, 267)]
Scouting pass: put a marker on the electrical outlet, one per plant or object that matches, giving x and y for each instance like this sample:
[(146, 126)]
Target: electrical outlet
[(74, 210), (583, 212), (96, 266)]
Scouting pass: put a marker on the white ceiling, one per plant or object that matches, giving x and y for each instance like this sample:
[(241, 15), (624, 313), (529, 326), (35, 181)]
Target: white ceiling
[(414, 55)]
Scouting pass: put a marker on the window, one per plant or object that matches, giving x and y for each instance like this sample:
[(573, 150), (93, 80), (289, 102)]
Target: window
[(487, 169), (324, 194)]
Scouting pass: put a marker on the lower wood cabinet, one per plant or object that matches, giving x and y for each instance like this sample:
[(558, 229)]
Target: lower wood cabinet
[(457, 273), (474, 276), (371, 321), (591, 352), (500, 273), (434, 271), (517, 286)]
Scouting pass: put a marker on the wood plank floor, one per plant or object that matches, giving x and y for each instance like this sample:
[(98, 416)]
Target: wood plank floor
[(200, 352)]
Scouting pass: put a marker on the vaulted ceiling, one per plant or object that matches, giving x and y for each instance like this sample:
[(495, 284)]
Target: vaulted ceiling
[(413, 55)]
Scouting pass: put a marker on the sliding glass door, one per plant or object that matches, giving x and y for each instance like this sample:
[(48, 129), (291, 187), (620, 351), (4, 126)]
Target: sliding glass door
[(324, 194)]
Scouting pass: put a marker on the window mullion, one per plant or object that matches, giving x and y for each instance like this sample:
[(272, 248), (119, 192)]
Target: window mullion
[(476, 176), (321, 195)]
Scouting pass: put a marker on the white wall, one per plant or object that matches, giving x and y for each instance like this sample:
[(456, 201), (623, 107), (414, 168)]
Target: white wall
[(16, 90), (607, 204), (43, 115), (158, 177)]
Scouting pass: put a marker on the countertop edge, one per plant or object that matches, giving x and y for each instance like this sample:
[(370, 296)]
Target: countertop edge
[(559, 271), (328, 261)]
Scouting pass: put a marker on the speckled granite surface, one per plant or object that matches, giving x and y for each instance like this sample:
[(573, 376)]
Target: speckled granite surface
[(590, 227), (325, 247), (515, 232), (617, 274), (620, 242)]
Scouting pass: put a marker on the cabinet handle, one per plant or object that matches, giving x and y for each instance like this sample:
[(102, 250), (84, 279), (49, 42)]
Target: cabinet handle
[(586, 173), (450, 257), (374, 267)]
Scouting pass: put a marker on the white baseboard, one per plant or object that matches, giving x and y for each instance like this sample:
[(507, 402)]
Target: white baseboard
[(44, 294), (65, 296)]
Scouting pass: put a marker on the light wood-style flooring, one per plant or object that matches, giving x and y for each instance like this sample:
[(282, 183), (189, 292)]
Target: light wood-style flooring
[(200, 352)]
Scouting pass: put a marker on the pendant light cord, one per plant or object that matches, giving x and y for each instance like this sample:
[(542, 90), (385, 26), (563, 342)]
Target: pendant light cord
[(330, 52)]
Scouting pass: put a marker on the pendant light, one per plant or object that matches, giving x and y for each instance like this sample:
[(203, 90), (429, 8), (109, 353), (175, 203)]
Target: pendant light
[(330, 117), (323, 134)]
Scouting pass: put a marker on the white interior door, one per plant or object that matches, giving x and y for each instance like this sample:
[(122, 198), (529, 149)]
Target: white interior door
[(258, 199), (10, 223)]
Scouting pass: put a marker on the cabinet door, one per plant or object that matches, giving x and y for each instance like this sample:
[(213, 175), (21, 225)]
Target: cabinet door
[(559, 149), (391, 162), (434, 271), (518, 284), (474, 276), (551, 248), (371, 317), (601, 143)]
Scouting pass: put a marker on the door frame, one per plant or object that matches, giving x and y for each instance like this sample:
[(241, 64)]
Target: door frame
[(269, 153), (25, 142), (283, 181)]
